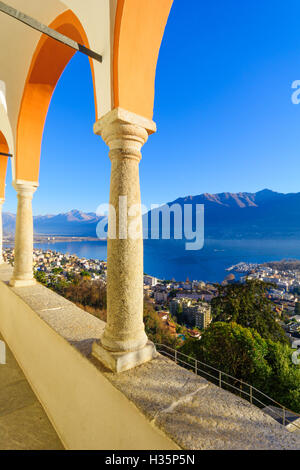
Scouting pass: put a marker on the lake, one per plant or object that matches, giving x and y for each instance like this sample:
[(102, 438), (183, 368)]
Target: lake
[(167, 259)]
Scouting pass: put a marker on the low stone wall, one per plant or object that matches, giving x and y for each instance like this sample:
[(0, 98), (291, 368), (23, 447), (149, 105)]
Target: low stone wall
[(86, 410), (157, 405)]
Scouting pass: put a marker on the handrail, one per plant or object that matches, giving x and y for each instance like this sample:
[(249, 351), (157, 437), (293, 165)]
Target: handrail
[(174, 354)]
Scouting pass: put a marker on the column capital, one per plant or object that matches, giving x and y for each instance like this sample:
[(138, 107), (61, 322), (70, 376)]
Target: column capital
[(124, 132), (123, 116), (25, 188)]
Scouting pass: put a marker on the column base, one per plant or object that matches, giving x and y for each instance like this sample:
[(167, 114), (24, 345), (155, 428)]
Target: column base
[(121, 361), (22, 283)]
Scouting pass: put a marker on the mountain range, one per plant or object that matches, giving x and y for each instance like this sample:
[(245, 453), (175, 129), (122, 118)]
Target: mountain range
[(265, 214), (72, 224)]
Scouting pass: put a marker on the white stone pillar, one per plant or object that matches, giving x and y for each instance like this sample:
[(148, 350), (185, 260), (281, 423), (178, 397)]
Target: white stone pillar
[(23, 260), (1, 232), (124, 343)]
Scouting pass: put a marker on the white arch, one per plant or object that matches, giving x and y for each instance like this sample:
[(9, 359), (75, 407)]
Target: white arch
[(3, 95), (98, 21), (5, 126)]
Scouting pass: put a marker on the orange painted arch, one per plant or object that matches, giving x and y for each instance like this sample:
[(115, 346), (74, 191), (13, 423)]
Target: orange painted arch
[(3, 164), (139, 29), (47, 65)]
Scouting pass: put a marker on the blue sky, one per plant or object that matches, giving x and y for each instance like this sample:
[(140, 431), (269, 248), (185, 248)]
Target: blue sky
[(223, 110)]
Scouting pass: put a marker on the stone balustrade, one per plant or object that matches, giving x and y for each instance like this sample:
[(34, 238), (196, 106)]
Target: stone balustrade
[(157, 405)]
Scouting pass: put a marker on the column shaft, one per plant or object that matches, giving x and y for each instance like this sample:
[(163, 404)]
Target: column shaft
[(125, 327), (23, 259), (125, 134)]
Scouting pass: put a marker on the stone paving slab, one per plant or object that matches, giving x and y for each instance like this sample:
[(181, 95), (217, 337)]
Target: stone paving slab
[(24, 424), (28, 429)]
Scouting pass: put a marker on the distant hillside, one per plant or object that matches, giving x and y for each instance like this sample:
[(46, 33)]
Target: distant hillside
[(9, 222), (265, 214)]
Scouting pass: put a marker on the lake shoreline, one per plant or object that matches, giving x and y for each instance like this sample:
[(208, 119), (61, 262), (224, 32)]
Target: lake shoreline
[(167, 259)]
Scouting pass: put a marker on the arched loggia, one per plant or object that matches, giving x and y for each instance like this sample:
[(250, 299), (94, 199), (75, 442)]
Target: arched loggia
[(136, 33), (48, 63)]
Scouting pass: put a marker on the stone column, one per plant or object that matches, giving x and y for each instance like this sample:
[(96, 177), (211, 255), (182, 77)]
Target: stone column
[(23, 272), (124, 343), (1, 232)]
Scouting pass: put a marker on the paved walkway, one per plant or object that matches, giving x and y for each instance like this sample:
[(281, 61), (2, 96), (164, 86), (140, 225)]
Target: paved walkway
[(23, 423)]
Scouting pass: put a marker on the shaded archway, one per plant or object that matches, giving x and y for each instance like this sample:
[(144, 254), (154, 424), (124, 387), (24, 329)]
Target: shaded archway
[(48, 63)]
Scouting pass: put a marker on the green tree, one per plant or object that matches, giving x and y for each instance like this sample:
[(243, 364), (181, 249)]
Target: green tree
[(85, 274), (248, 305), (284, 382), (58, 284), (41, 277), (242, 353), (70, 276), (57, 270), (233, 349)]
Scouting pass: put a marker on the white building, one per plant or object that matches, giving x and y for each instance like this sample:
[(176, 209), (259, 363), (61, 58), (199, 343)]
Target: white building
[(150, 281)]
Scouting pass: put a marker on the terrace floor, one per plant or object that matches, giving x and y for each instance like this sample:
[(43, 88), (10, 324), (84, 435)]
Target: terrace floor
[(24, 424)]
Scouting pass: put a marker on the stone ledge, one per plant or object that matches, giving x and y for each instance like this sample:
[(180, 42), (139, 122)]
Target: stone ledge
[(87, 411), (191, 412), (198, 415)]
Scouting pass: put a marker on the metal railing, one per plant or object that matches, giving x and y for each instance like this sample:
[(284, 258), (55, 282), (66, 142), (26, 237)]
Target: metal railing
[(227, 382)]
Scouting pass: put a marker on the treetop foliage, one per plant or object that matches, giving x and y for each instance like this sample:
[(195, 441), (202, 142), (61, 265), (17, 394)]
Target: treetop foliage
[(248, 305)]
